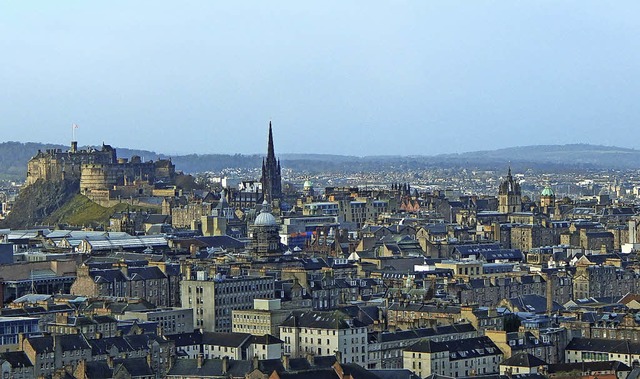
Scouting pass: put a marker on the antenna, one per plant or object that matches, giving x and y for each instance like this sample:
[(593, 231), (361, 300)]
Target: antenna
[(33, 285), (73, 131)]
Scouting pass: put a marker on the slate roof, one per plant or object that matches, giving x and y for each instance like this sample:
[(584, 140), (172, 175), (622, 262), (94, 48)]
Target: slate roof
[(225, 242), (602, 345), (523, 360), (452, 309), (68, 342), (17, 359), (350, 369), (145, 273), (459, 349), (225, 339), (135, 366), (588, 367), (210, 367), (107, 276), (321, 320), (424, 332), (398, 373), (267, 339), (533, 303), (98, 370)]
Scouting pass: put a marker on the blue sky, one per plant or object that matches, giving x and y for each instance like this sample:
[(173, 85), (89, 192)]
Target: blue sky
[(339, 77)]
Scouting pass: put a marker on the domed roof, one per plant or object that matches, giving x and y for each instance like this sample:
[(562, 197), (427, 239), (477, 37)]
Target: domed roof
[(307, 184), (547, 191), (265, 218)]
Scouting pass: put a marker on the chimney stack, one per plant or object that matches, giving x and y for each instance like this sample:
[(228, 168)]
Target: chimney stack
[(199, 359), (225, 364)]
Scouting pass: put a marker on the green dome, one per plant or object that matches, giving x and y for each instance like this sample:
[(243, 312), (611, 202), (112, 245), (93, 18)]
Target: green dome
[(547, 191), (307, 184)]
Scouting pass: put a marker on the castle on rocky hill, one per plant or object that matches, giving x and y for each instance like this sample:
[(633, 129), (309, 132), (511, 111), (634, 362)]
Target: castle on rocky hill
[(102, 175)]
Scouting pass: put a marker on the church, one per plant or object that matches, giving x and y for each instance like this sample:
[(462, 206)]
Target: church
[(271, 177), (509, 195)]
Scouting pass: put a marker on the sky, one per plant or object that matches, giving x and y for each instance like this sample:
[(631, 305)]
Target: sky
[(335, 77)]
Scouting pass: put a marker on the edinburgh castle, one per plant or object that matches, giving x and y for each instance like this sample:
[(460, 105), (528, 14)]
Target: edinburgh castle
[(102, 175)]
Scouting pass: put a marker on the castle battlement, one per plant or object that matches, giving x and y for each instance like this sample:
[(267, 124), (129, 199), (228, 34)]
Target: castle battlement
[(99, 171)]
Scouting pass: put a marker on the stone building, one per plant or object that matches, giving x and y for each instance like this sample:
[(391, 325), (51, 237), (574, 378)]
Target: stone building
[(324, 333), (265, 236), (213, 298), (150, 283), (265, 318), (509, 195), (454, 358)]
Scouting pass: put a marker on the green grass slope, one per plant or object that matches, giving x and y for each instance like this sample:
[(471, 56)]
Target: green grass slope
[(80, 211)]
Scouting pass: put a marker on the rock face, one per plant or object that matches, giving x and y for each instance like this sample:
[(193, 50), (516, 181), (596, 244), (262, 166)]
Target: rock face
[(39, 200)]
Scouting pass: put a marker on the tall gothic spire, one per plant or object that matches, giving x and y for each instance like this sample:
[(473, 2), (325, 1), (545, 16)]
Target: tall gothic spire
[(271, 155), (271, 177)]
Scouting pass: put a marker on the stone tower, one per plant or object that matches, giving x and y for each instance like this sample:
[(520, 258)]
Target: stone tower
[(265, 239), (509, 195), (547, 197), (271, 178)]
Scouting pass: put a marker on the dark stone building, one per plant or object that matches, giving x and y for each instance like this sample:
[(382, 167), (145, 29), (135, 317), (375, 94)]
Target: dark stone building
[(271, 178)]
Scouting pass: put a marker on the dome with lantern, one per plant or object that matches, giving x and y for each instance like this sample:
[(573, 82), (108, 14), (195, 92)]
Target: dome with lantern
[(265, 218)]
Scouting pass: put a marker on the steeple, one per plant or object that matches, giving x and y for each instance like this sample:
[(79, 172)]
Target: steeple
[(271, 155), (271, 178)]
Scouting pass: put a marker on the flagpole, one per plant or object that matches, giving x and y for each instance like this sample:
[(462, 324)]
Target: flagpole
[(73, 132)]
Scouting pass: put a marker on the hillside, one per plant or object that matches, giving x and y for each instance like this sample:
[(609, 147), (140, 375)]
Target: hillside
[(80, 211), (38, 201)]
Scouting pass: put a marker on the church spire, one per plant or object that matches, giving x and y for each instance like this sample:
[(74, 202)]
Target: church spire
[(270, 151), (271, 177)]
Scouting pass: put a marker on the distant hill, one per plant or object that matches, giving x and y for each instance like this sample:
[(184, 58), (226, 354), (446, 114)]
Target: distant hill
[(15, 155), (571, 155)]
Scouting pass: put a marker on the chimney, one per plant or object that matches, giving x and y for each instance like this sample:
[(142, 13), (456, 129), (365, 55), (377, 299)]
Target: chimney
[(199, 359), (225, 364), (21, 339), (255, 362), (338, 356), (549, 278), (285, 362), (309, 357), (110, 361)]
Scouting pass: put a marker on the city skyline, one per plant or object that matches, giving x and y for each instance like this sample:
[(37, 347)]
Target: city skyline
[(333, 78)]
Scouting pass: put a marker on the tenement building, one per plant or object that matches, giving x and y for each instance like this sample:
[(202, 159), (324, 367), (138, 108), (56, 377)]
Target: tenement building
[(323, 333)]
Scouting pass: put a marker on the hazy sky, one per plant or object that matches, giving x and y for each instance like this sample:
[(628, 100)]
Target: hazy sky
[(341, 77)]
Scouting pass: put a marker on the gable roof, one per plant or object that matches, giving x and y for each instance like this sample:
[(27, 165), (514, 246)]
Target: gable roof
[(523, 360)]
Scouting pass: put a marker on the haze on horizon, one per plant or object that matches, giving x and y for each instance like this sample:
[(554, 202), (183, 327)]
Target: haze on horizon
[(350, 78)]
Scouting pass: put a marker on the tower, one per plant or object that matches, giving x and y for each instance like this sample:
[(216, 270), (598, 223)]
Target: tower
[(547, 197), (509, 195), (265, 239), (271, 178)]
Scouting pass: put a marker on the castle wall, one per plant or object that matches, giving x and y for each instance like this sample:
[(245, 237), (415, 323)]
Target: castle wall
[(102, 176), (54, 165)]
